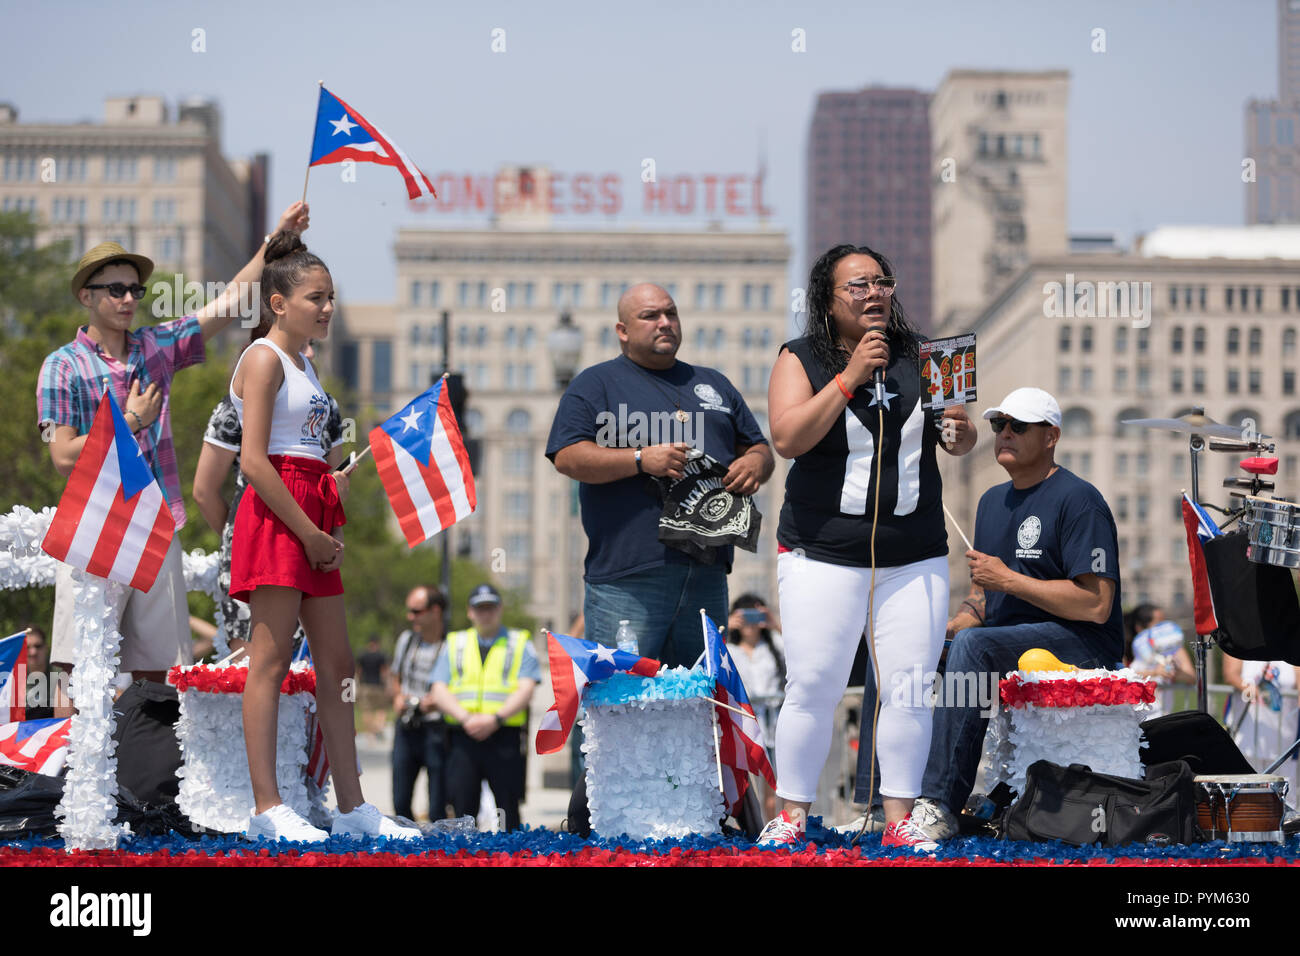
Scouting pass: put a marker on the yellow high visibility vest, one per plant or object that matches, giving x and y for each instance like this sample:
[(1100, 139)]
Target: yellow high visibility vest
[(482, 686)]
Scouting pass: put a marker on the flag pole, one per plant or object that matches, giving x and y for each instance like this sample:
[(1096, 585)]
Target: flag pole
[(734, 710), (356, 460), (320, 85), (713, 714)]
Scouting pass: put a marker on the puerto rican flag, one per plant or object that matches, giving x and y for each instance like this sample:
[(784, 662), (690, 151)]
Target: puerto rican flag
[(423, 464), (575, 663), (741, 738), (112, 520), (318, 762), (1200, 528), (342, 134), (40, 746), (13, 676)]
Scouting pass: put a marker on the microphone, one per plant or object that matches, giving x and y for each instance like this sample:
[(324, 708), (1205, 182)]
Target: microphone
[(878, 376)]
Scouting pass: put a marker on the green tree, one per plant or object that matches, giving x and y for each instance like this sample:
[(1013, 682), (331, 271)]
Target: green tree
[(37, 315)]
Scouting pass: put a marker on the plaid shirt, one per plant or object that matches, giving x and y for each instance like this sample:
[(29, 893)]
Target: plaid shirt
[(73, 379)]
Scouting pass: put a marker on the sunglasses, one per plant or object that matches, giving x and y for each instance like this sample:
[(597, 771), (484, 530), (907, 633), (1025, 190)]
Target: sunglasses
[(1018, 427), (859, 289), (118, 289)]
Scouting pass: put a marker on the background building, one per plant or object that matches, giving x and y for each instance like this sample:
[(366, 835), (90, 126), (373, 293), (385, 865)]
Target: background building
[(156, 186), (1224, 320), (1273, 196), (999, 152), (505, 289), (869, 172)]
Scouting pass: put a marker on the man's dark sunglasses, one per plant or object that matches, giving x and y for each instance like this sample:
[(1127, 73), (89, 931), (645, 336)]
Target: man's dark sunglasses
[(1018, 427), (118, 289)]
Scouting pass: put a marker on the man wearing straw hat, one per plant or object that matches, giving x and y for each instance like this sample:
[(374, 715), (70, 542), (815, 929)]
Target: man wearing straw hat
[(1044, 573), (138, 367)]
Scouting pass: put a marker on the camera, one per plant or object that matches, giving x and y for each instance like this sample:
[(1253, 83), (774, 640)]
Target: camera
[(410, 716)]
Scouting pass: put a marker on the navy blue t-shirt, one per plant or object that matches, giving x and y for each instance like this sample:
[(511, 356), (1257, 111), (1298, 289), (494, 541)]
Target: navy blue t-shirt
[(619, 404), (1059, 528)]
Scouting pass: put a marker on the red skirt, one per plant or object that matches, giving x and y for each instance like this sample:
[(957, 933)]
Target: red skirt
[(264, 551)]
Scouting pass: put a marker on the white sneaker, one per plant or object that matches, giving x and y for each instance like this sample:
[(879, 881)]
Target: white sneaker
[(282, 823), (782, 831), (366, 820), (932, 820), (863, 823)]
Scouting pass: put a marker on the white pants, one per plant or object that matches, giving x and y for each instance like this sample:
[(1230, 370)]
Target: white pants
[(823, 614)]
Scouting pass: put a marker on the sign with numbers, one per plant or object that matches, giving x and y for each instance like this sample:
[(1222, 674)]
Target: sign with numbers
[(948, 372)]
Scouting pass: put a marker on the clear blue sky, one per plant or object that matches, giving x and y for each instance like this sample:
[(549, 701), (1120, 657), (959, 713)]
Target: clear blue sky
[(1155, 133)]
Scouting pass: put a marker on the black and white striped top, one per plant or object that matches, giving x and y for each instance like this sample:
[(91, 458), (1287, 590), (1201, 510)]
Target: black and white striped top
[(830, 489)]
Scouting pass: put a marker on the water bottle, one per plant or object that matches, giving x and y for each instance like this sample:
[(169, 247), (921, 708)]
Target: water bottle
[(626, 638)]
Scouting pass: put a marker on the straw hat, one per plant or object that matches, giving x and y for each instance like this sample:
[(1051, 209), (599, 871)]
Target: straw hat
[(107, 252)]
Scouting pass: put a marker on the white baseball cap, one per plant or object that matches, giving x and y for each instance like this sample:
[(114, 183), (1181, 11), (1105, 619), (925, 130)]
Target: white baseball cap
[(1028, 405)]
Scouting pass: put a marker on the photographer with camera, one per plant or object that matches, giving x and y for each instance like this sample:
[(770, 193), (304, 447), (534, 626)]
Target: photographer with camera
[(420, 736)]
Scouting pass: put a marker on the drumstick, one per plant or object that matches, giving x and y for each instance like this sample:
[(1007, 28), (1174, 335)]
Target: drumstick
[(226, 660), (969, 546)]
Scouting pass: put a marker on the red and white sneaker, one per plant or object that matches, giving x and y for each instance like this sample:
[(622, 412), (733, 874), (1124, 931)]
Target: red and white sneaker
[(906, 833), (782, 831)]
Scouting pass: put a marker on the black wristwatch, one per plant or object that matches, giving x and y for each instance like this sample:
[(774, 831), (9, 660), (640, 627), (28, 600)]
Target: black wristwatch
[(639, 469)]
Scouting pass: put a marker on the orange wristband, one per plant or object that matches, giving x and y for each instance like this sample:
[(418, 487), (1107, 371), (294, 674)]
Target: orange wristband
[(840, 382)]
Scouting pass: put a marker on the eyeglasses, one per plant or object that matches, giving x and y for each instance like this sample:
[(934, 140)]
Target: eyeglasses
[(419, 610), (118, 289), (859, 289), (1018, 427)]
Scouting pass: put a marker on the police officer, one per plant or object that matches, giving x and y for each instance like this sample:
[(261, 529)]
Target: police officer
[(482, 684)]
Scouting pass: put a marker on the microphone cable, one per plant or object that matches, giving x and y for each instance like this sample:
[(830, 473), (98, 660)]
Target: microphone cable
[(871, 625)]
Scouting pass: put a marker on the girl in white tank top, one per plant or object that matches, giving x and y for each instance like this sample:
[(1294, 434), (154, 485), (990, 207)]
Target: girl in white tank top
[(301, 407), (288, 546)]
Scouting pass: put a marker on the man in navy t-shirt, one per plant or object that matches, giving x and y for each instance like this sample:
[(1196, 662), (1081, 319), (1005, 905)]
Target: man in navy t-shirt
[(1044, 573), (619, 425)]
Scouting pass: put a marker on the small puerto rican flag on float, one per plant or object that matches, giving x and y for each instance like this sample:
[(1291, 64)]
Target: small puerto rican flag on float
[(575, 663), (424, 466), (39, 746), (113, 520), (13, 677)]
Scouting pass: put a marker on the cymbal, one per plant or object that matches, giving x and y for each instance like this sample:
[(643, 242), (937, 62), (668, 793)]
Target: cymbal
[(1191, 424)]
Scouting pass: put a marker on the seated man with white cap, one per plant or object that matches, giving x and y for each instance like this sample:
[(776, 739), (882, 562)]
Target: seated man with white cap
[(1044, 573)]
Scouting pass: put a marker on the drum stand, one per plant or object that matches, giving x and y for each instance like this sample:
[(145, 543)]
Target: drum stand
[(1254, 485), (1201, 646)]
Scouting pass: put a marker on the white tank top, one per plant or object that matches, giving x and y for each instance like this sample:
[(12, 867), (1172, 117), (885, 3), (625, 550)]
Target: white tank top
[(301, 408)]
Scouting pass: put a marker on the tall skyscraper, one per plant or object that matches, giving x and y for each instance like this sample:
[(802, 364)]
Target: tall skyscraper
[(868, 183), (1273, 195), (999, 151), (1288, 50)]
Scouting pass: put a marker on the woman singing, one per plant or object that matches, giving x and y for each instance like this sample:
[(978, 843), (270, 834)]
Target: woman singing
[(849, 475)]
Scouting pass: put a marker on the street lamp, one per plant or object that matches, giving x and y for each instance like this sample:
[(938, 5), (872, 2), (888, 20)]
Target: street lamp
[(564, 342)]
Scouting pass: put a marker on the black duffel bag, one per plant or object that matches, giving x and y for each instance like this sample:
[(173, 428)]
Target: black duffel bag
[(28, 801), (148, 754), (1076, 806)]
